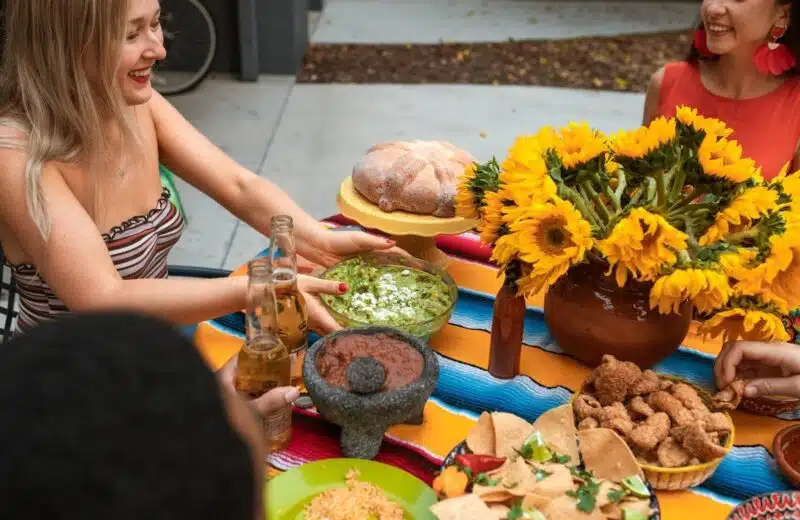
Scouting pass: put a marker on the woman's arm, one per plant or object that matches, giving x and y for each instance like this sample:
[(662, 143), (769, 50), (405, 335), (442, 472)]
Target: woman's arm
[(199, 162), (76, 264), (251, 198), (652, 97)]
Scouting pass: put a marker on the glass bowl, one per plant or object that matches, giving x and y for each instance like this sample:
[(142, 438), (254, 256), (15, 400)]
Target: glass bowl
[(422, 329)]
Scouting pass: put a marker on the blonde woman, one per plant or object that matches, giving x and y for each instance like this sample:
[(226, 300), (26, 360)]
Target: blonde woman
[(84, 222)]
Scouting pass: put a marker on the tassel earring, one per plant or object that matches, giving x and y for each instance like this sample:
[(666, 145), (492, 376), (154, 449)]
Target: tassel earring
[(773, 57), (700, 43)]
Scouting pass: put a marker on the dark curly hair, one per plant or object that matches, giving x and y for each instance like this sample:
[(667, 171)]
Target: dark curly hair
[(116, 417), (791, 38)]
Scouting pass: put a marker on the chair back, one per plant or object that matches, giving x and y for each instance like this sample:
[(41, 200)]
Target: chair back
[(8, 300)]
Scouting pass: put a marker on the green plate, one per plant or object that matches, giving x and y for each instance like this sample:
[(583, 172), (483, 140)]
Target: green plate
[(290, 492)]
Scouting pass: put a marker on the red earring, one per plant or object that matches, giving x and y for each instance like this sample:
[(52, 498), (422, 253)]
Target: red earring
[(700, 43), (773, 57)]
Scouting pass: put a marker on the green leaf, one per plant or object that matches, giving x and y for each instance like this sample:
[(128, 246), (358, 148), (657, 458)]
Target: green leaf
[(561, 459), (542, 474), (483, 480), (616, 495)]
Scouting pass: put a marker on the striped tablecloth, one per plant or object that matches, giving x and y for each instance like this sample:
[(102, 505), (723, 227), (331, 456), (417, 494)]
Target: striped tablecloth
[(549, 377)]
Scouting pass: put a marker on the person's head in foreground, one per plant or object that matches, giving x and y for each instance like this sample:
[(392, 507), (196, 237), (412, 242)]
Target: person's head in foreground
[(740, 27), (116, 416)]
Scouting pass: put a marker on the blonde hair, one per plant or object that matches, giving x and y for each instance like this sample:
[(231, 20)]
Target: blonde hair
[(58, 85)]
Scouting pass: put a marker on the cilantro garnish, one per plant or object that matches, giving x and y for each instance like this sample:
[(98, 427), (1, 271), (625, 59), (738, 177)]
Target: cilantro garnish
[(542, 474), (561, 459), (586, 495), (515, 512), (616, 495), (483, 480)]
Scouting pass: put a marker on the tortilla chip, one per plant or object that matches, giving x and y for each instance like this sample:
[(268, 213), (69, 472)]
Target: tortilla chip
[(566, 508), (557, 426), (465, 507), (500, 511), (614, 511), (534, 501), (510, 432), (492, 494), (557, 483), (517, 477), (606, 454), (480, 439), (602, 494)]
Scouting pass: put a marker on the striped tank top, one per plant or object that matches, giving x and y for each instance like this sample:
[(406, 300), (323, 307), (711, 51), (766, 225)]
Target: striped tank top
[(138, 247)]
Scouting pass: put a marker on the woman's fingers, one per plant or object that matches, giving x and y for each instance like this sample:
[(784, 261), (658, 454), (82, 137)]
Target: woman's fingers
[(314, 285), (319, 319), (275, 399), (783, 386)]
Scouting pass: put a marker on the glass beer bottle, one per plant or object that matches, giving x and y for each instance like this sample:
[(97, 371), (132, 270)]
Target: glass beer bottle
[(263, 362), (292, 312)]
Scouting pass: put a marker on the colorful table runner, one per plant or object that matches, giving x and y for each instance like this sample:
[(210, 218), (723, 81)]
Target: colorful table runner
[(549, 377)]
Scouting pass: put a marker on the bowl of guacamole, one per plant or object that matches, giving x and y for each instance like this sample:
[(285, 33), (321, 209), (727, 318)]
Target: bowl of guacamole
[(390, 290)]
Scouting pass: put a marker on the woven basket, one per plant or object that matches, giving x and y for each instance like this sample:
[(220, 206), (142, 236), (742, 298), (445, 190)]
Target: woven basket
[(673, 479)]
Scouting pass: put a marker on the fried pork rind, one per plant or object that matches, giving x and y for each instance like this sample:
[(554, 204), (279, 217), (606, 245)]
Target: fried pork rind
[(638, 408), (648, 382), (716, 422), (613, 379), (586, 405), (698, 442), (688, 396), (730, 397), (651, 432), (663, 401), (615, 417), (672, 454)]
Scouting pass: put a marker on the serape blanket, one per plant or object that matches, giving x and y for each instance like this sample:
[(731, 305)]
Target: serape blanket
[(548, 379)]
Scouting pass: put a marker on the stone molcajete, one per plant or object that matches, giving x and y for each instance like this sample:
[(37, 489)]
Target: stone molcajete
[(368, 379)]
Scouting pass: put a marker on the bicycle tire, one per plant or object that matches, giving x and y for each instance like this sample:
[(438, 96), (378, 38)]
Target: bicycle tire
[(205, 69)]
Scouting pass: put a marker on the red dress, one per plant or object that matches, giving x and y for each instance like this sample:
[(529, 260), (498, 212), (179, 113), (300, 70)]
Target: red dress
[(767, 127)]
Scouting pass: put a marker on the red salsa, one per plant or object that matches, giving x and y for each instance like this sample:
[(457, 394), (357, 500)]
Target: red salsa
[(402, 362), (791, 452)]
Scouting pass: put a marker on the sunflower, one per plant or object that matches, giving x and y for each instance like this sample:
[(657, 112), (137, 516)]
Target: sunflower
[(721, 158), (636, 144), (707, 289), (748, 206), (506, 248), (689, 117), (465, 200), (746, 324), (551, 238), (492, 217), (579, 145), (643, 244)]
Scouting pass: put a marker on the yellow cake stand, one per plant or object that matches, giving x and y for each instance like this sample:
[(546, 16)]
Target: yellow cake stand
[(414, 233)]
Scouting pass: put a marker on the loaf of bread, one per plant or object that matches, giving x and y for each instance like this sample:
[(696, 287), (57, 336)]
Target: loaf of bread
[(414, 176)]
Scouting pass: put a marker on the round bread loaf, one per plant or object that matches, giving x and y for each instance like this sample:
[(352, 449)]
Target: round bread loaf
[(415, 176)]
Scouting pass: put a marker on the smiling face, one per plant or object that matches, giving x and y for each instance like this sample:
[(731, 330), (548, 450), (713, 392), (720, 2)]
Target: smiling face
[(732, 25), (142, 47)]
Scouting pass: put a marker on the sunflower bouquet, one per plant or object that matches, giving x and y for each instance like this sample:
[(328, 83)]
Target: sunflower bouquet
[(673, 203)]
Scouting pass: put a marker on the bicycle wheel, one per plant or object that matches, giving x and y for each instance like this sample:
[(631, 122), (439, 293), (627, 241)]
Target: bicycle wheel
[(190, 37)]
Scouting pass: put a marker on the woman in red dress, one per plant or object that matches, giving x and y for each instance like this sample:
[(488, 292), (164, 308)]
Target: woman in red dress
[(742, 70)]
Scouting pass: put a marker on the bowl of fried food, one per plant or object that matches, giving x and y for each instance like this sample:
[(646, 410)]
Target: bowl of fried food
[(678, 431)]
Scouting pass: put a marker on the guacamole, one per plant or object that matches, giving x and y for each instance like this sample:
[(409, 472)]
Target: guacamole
[(388, 295)]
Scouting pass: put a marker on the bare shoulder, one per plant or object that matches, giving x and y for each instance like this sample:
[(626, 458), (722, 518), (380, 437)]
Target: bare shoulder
[(656, 80), (653, 96)]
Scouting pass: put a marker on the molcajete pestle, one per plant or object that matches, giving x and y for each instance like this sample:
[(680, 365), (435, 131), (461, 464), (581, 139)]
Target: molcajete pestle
[(368, 379)]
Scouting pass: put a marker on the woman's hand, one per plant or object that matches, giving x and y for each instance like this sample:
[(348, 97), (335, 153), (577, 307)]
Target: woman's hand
[(770, 368), (319, 320), (272, 401), (328, 247)]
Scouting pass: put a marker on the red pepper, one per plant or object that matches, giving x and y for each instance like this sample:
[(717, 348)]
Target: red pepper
[(479, 463)]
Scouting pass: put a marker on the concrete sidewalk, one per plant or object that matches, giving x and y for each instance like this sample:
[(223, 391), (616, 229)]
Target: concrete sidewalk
[(306, 138)]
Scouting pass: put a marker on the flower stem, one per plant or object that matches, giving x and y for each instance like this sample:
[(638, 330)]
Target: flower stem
[(677, 182), (580, 203), (622, 184), (601, 208), (741, 236), (661, 191)]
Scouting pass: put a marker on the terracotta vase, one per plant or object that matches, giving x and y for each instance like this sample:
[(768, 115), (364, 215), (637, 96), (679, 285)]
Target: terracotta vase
[(589, 315), (508, 324)]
